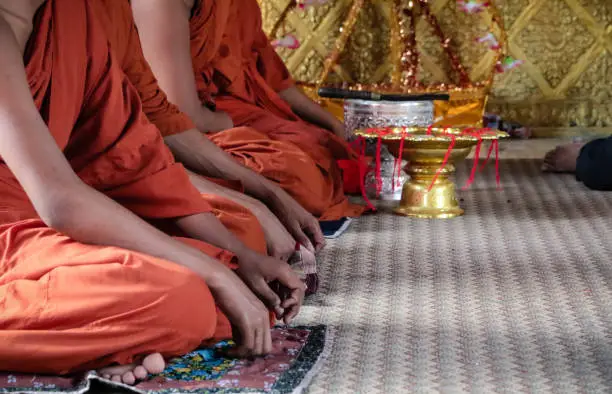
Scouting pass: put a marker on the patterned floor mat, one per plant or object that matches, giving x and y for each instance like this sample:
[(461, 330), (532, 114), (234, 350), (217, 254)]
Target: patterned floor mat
[(292, 364)]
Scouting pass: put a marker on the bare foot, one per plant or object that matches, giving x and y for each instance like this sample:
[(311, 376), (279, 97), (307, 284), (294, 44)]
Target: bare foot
[(130, 374), (562, 158)]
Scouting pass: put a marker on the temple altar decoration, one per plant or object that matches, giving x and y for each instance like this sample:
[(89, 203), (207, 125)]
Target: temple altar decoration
[(468, 98), (431, 126)]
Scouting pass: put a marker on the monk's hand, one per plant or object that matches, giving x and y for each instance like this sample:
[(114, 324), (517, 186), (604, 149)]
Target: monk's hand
[(304, 227), (280, 243), (248, 315), (258, 271)]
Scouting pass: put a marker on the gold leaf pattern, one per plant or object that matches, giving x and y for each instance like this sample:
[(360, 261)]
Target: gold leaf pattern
[(567, 45), (560, 35)]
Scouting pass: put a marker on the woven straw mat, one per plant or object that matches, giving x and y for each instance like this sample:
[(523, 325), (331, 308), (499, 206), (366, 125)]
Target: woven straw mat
[(514, 297)]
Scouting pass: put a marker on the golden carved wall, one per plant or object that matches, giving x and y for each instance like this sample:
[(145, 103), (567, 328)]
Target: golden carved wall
[(565, 84)]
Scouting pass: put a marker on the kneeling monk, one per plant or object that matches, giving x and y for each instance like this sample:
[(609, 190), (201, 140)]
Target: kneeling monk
[(289, 223), (234, 62), (85, 281)]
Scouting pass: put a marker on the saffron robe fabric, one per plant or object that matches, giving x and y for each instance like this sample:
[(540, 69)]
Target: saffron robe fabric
[(67, 306), (117, 18), (235, 63)]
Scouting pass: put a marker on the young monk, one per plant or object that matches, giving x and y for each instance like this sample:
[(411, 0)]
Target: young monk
[(294, 142), (116, 17), (85, 281), (589, 161)]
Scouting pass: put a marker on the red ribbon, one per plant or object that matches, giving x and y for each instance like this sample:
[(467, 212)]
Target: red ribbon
[(486, 160), (477, 134), (381, 132), (494, 146), (444, 162)]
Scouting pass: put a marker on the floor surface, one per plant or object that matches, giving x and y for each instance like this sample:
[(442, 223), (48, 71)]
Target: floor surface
[(513, 297)]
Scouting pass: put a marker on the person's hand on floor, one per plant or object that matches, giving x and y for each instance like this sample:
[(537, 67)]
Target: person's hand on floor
[(258, 271)]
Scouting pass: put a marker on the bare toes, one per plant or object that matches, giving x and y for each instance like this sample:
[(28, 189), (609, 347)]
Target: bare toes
[(128, 378), (117, 370), (140, 373), (154, 363)]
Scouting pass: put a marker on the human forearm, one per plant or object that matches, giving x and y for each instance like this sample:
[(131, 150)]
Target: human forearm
[(209, 229), (88, 216), (164, 32), (202, 156), (92, 218), (60, 198), (280, 243), (207, 120), (205, 158), (309, 110), (206, 227), (111, 224), (209, 187)]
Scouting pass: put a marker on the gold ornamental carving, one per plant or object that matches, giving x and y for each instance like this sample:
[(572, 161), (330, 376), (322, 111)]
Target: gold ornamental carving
[(565, 84)]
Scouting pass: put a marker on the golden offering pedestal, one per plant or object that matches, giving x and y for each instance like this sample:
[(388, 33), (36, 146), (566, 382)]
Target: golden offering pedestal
[(424, 195)]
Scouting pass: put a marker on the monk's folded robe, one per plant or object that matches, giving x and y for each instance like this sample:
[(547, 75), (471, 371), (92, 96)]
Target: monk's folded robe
[(235, 63), (594, 164), (68, 306), (118, 21)]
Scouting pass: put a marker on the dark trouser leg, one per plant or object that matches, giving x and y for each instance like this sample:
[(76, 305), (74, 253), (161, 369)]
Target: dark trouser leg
[(594, 164)]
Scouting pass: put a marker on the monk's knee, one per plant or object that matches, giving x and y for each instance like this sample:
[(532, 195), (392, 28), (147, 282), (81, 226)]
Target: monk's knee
[(311, 188)]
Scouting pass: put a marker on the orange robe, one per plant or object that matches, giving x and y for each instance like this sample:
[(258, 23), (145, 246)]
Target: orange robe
[(116, 16), (235, 63), (67, 306)]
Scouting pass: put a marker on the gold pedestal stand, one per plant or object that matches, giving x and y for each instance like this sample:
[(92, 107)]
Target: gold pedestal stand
[(426, 195), (437, 203)]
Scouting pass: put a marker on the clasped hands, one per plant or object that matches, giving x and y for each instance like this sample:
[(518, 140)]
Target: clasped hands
[(246, 297)]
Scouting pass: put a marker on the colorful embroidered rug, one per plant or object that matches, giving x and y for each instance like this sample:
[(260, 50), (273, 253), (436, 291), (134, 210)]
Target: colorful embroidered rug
[(295, 359)]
